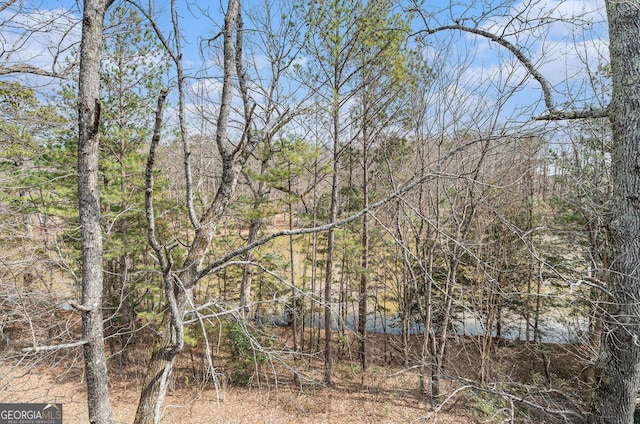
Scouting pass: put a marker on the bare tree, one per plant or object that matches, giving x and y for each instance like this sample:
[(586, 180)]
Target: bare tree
[(453, 237), (280, 41), (89, 210), (617, 370), (618, 367), (36, 42), (179, 285)]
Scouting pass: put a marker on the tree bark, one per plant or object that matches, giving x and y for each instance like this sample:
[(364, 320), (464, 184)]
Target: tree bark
[(247, 272), (179, 287), (89, 210), (364, 276), (618, 366), (328, 360), (333, 216)]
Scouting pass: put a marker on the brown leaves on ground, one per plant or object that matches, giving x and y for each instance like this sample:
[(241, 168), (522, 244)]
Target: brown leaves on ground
[(387, 392)]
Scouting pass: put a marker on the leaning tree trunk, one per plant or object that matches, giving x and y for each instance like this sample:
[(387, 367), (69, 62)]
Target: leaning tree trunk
[(618, 366), (168, 344), (179, 288), (89, 211)]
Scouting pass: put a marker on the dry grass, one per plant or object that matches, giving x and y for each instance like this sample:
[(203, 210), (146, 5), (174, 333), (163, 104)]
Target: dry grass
[(387, 392), (343, 403)]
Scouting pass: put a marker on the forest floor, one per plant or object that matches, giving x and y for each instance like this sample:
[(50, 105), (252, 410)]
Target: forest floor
[(387, 392)]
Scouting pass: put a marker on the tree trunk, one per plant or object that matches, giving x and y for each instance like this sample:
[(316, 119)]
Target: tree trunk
[(333, 216), (126, 323), (329, 279), (89, 211), (179, 288), (168, 344), (247, 272), (292, 270), (618, 366), (364, 277)]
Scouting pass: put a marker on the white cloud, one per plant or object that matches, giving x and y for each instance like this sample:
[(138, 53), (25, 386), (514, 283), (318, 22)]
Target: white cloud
[(565, 41), (42, 38), (206, 89), (547, 18), (557, 61)]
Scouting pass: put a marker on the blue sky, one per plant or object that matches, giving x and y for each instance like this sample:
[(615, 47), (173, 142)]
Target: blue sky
[(470, 68)]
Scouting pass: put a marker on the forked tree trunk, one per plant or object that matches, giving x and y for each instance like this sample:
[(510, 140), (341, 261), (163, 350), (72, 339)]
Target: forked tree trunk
[(179, 288), (618, 366), (89, 211), (168, 344)]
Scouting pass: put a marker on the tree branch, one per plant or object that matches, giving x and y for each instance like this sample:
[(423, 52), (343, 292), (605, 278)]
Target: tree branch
[(148, 197), (25, 68), (560, 115), (77, 306), (35, 349), (553, 114)]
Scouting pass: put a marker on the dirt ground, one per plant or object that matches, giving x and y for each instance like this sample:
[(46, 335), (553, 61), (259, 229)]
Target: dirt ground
[(343, 403), (387, 392)]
